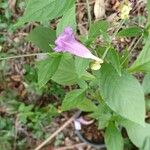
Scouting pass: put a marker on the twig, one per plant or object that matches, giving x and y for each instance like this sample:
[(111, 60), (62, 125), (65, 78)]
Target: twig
[(56, 132), (71, 147), (89, 12), (21, 56)]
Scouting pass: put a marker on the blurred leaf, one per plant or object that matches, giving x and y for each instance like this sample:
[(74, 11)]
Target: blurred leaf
[(142, 63), (76, 99), (103, 114), (81, 65), (148, 8), (97, 28), (72, 99), (137, 133), (147, 101), (86, 105), (66, 73), (87, 76), (146, 145), (123, 94), (44, 10), (42, 37), (146, 84), (130, 32), (46, 69), (113, 138), (68, 20), (113, 58)]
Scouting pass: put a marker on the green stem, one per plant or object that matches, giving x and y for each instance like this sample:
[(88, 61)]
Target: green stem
[(114, 34), (132, 49), (21, 56), (89, 13)]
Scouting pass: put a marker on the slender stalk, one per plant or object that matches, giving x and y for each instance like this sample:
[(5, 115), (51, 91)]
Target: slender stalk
[(114, 34), (21, 56), (132, 49), (89, 12)]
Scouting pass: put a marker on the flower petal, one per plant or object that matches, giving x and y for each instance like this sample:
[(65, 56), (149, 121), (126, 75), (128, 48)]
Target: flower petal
[(66, 43)]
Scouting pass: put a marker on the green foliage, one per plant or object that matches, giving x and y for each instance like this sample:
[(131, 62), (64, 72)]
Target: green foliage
[(137, 133), (44, 10), (42, 37), (113, 138), (47, 68), (72, 99), (148, 8), (66, 73), (103, 115), (81, 65), (146, 84), (97, 29), (142, 63), (68, 19), (130, 32), (123, 94), (114, 59)]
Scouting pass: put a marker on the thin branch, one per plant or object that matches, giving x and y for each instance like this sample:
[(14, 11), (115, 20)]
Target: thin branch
[(21, 56), (71, 147)]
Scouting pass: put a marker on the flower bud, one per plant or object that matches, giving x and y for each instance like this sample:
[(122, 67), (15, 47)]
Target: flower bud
[(96, 65)]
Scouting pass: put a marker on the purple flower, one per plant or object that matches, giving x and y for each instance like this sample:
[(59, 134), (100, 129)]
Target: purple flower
[(66, 42)]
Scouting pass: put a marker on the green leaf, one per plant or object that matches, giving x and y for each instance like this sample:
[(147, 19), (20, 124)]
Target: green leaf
[(113, 58), (86, 105), (113, 138), (97, 28), (102, 114), (130, 32), (68, 19), (42, 37), (66, 73), (44, 10), (82, 84), (77, 99), (72, 99), (88, 76), (142, 63), (123, 94), (81, 65), (146, 145), (46, 69), (146, 84), (148, 8), (137, 133)]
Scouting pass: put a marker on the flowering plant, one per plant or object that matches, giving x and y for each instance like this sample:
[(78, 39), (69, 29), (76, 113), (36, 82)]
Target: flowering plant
[(95, 72)]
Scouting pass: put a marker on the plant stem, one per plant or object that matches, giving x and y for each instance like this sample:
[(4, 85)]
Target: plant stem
[(89, 12), (21, 56), (132, 49), (113, 36)]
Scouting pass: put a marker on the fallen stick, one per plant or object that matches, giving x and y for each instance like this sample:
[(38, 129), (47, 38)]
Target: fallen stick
[(56, 132), (71, 146)]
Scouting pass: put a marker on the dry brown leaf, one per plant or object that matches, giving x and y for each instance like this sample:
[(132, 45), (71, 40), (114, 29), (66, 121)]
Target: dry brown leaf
[(99, 9), (16, 78), (12, 5)]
